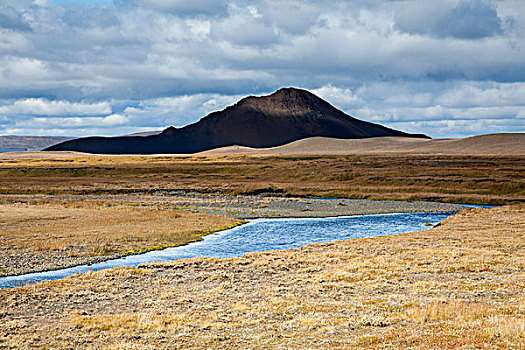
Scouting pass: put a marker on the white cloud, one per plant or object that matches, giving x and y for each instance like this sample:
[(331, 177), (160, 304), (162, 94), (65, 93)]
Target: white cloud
[(23, 68), (40, 106), (177, 111), (70, 122), (458, 128), (115, 119), (475, 94), (12, 42), (343, 98), (199, 28)]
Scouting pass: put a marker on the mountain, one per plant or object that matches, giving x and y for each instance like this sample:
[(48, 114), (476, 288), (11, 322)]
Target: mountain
[(287, 115)]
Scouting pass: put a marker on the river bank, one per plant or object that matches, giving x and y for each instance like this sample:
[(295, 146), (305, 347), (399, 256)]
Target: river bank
[(248, 207), (43, 233), (458, 285)]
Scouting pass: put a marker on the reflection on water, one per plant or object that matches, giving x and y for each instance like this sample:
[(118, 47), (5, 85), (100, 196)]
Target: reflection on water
[(259, 235)]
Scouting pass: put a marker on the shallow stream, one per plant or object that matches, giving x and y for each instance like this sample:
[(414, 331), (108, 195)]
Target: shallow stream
[(258, 235)]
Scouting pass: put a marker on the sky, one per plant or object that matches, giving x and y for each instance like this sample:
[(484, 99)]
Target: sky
[(449, 68)]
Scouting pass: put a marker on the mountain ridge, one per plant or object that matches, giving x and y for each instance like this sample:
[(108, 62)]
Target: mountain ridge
[(287, 115)]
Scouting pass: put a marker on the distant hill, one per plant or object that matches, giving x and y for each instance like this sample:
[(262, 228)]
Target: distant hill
[(10, 143), (491, 144), (287, 115)]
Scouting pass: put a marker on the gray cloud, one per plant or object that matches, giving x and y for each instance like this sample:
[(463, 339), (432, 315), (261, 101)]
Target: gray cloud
[(466, 19), (153, 63), (10, 18)]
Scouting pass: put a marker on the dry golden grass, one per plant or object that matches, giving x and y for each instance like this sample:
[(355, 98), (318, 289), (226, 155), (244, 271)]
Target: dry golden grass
[(493, 322), (61, 233), (458, 285), (467, 179)]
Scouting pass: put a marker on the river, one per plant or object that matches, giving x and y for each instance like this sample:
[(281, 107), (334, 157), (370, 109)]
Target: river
[(258, 235)]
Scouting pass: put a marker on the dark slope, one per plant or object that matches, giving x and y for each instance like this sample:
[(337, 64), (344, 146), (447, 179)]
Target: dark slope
[(286, 115)]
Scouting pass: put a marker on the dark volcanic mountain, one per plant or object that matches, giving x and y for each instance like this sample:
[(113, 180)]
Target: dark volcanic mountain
[(284, 116)]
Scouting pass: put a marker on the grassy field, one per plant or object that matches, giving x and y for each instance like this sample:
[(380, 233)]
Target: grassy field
[(459, 179), (46, 234), (458, 285)]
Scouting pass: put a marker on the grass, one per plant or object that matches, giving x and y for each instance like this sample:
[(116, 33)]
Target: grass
[(458, 285), (458, 179), (197, 237), (493, 322)]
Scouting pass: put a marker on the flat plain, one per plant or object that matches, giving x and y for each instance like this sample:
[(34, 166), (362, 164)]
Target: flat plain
[(458, 285), (478, 179)]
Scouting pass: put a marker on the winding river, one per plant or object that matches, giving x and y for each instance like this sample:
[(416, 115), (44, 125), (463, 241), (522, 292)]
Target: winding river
[(258, 235)]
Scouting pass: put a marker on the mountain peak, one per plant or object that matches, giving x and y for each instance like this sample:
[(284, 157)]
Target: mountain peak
[(288, 93), (291, 92), (286, 100)]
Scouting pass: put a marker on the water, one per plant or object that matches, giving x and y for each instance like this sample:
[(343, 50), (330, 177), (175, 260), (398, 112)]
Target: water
[(484, 206), (258, 235), (5, 150)]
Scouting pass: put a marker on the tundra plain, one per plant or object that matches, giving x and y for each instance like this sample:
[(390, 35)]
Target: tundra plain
[(478, 179), (457, 285)]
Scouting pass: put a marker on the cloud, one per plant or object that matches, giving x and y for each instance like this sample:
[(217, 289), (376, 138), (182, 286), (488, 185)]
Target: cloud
[(492, 95), (344, 98), (177, 111), (76, 126), (466, 19), (154, 63), (43, 107), (115, 119), (10, 18), (77, 122), (23, 67), (246, 26), (187, 7), (443, 109)]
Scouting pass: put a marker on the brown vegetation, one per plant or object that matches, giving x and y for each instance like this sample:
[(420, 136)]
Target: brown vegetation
[(60, 233), (467, 179), (459, 285)]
